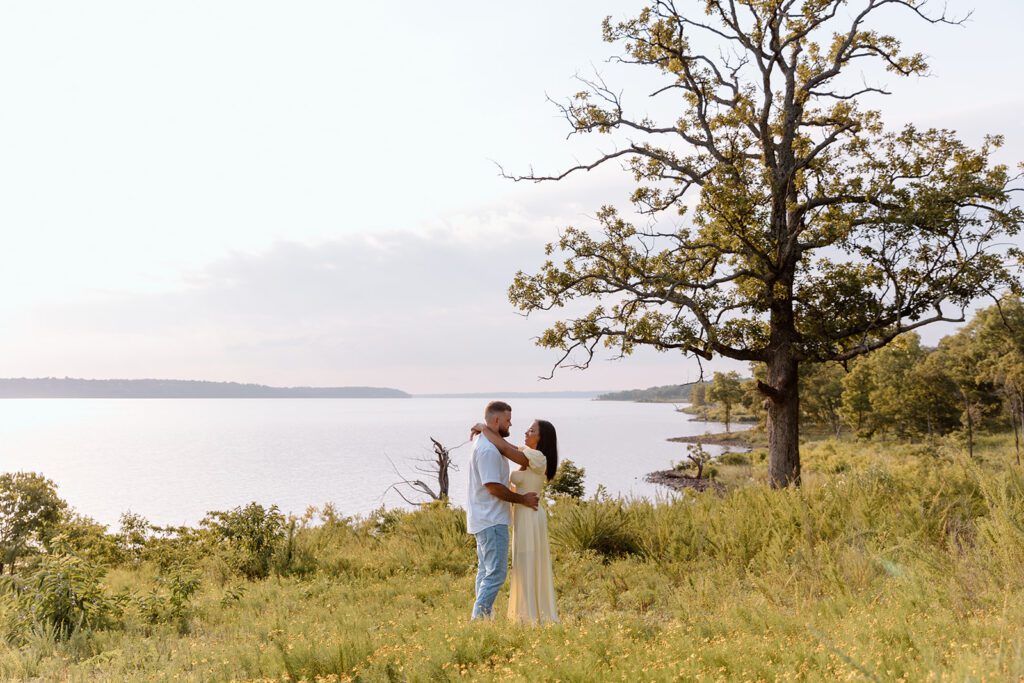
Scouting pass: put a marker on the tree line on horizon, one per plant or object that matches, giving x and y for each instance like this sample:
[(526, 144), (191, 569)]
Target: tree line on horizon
[(971, 382), (71, 387), (668, 393)]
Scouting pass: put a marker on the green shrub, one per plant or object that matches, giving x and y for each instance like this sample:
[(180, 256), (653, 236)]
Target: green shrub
[(30, 515), (89, 539), (383, 521), (603, 527), (431, 539), (169, 547), (63, 593), (249, 536), (568, 480), (731, 458), (294, 557), (171, 600), (132, 539)]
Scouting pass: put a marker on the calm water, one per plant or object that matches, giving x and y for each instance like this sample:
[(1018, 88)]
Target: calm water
[(173, 460)]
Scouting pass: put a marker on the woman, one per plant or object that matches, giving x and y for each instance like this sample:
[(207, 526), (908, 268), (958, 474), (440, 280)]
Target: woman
[(532, 592)]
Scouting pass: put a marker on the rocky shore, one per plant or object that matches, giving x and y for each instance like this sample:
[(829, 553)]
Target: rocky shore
[(678, 481)]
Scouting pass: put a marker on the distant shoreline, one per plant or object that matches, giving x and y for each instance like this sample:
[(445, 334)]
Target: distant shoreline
[(70, 387), (52, 387), (500, 395)]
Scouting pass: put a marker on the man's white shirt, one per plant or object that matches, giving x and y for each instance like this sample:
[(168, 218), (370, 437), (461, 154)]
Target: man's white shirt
[(486, 465)]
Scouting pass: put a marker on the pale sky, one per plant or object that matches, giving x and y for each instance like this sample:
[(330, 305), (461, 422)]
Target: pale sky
[(305, 193)]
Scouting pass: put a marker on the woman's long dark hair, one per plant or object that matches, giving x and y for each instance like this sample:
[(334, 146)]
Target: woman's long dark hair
[(548, 445)]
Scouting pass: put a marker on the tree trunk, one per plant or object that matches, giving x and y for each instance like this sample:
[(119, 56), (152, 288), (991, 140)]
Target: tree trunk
[(783, 363), (700, 465), (1016, 434), (834, 421), (970, 425), (1017, 417), (443, 461), (783, 421)]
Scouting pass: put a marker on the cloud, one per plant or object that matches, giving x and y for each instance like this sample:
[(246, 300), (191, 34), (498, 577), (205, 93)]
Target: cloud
[(421, 310)]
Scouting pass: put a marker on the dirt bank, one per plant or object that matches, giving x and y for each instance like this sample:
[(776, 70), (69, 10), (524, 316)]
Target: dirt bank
[(731, 439)]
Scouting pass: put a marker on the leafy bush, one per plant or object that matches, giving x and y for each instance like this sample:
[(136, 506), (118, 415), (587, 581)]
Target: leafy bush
[(232, 595), (30, 513), (63, 593), (249, 536), (430, 539), (89, 539), (171, 600), (135, 532), (731, 458), (568, 480), (698, 460), (171, 546), (383, 521)]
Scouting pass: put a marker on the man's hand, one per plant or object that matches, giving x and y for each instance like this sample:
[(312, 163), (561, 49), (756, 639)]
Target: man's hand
[(502, 492)]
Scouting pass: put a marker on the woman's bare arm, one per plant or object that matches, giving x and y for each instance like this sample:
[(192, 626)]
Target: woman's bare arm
[(504, 447)]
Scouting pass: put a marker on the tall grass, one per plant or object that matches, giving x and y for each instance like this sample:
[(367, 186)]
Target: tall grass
[(891, 563)]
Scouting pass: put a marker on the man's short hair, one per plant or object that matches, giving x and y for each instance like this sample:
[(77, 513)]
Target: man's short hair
[(496, 408)]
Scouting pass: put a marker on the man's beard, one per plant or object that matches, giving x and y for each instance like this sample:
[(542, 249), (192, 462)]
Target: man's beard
[(503, 431)]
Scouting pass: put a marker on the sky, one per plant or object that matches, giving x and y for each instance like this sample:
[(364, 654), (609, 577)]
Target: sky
[(307, 193)]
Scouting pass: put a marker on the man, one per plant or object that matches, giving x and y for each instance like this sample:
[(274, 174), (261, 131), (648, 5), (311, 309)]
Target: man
[(489, 512)]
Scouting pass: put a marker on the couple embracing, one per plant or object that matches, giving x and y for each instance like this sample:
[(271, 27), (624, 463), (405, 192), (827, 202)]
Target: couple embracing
[(499, 500)]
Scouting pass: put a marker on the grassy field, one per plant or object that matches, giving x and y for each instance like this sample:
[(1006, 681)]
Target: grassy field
[(894, 562)]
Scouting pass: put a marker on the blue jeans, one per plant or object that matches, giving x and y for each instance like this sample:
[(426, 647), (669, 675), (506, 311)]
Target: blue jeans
[(492, 567)]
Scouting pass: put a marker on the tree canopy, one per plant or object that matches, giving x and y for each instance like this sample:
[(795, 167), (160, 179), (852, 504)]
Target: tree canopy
[(726, 390), (785, 224)]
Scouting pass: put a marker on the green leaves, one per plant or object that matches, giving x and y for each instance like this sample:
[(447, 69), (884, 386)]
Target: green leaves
[(249, 535), (30, 513), (568, 480), (807, 218), (63, 593), (726, 390)]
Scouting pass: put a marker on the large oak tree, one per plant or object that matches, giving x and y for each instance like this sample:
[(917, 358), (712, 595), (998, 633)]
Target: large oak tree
[(808, 232)]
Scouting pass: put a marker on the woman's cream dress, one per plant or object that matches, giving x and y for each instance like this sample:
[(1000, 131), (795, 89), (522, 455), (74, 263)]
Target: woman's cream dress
[(532, 594)]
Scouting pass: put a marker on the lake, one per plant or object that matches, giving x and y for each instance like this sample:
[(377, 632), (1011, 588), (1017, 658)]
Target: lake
[(172, 460)]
